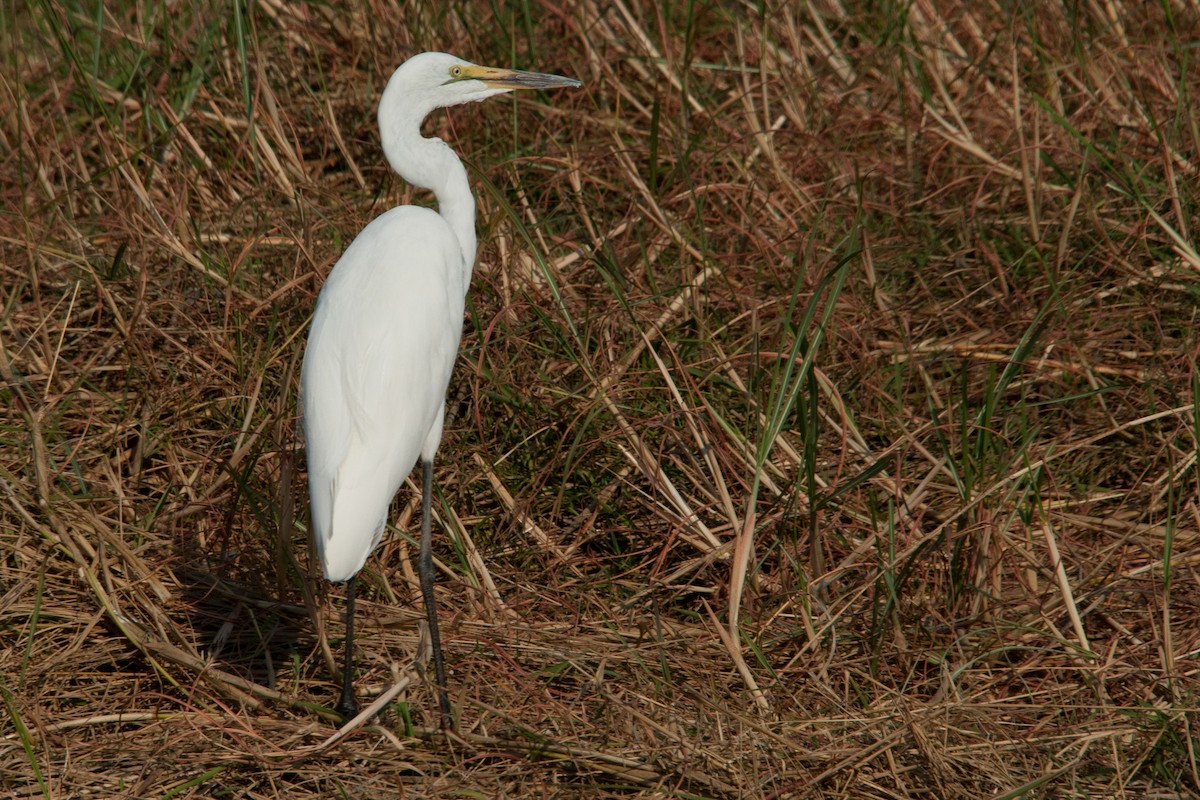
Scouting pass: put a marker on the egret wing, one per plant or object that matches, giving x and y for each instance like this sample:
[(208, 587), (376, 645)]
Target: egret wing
[(382, 347)]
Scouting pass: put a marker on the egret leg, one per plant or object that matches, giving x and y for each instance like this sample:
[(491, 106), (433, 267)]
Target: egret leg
[(348, 706), (425, 571)]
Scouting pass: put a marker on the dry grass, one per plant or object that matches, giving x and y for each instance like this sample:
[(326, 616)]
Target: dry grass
[(826, 424)]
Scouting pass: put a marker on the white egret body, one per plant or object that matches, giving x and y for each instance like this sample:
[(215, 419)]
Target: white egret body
[(385, 336)]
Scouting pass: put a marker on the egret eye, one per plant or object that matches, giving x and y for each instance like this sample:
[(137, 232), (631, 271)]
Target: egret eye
[(456, 71)]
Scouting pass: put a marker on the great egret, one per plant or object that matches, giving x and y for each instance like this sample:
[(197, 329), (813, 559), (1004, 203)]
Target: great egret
[(385, 336)]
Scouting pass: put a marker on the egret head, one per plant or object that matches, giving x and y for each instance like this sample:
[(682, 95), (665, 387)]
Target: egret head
[(434, 80)]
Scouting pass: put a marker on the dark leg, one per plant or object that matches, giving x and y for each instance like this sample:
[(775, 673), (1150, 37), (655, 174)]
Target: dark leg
[(425, 570), (347, 706)]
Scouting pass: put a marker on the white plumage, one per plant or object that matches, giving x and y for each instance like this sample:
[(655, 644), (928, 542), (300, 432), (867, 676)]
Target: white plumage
[(379, 358), (385, 336)]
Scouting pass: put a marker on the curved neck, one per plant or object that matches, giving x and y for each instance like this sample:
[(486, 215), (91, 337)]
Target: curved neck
[(430, 164)]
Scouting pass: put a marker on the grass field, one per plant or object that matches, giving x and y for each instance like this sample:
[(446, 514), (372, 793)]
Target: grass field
[(825, 426)]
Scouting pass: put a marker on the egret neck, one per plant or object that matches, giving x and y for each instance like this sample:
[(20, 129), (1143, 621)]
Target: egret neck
[(430, 164)]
